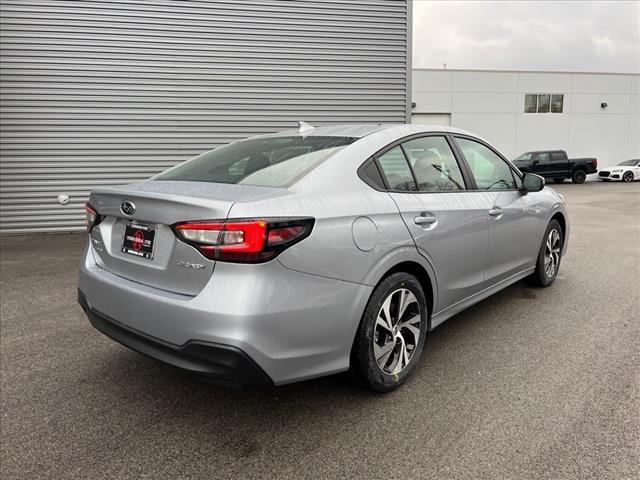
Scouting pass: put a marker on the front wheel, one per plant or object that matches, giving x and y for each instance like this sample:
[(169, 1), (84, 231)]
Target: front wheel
[(549, 256), (627, 177), (579, 176), (391, 335)]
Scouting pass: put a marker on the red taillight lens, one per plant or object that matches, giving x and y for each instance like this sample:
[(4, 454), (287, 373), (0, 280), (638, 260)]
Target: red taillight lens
[(248, 241), (284, 234), (92, 217), (244, 237)]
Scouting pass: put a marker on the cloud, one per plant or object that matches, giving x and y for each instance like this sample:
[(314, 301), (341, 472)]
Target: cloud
[(602, 36)]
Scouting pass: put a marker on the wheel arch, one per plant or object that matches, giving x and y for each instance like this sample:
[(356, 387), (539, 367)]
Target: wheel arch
[(420, 273), (559, 216)]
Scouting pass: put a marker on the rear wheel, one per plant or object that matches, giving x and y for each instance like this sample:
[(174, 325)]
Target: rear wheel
[(558, 180), (627, 177), (549, 256), (579, 176), (391, 335)]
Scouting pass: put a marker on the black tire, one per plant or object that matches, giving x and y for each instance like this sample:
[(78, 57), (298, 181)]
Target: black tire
[(364, 366), (579, 176), (558, 180), (627, 177), (540, 276)]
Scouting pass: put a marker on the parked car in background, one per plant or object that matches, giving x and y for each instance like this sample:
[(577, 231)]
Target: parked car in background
[(554, 164), (626, 171), (313, 251)]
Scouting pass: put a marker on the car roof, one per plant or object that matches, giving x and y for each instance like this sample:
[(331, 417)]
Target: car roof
[(360, 130), (543, 151)]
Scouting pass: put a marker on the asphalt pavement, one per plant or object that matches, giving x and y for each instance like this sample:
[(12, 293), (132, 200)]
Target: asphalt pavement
[(530, 383)]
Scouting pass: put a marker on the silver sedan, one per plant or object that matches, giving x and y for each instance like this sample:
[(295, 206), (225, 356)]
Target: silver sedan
[(314, 251)]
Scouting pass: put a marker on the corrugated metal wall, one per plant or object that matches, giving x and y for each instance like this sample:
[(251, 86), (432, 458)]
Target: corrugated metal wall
[(107, 92)]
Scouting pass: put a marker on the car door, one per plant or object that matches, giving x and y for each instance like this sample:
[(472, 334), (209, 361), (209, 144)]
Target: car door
[(541, 164), (514, 219), (447, 221)]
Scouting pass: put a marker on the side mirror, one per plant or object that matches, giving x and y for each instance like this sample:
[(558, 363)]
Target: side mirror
[(535, 162), (532, 182)]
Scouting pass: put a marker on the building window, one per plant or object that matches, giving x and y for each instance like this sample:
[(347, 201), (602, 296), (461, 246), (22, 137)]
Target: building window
[(530, 103), (543, 103), (557, 103)]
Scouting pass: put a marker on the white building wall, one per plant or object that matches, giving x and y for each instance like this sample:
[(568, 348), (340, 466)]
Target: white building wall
[(491, 104)]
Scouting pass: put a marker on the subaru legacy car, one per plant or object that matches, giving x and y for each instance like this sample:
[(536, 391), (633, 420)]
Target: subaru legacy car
[(309, 252)]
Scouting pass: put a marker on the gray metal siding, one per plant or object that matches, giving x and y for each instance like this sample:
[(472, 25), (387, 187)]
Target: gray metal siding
[(108, 92)]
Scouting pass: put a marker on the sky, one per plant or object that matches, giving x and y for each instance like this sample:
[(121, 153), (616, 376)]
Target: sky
[(597, 36)]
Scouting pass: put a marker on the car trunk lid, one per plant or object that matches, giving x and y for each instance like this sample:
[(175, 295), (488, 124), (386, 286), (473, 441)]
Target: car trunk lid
[(140, 245)]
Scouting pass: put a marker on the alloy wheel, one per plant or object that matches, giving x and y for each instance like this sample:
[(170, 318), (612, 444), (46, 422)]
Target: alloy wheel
[(397, 331), (552, 253)]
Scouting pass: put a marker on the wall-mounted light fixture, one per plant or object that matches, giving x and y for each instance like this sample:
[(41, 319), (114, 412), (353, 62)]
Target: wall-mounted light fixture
[(604, 105)]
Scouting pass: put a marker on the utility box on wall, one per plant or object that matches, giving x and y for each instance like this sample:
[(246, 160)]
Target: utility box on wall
[(108, 92)]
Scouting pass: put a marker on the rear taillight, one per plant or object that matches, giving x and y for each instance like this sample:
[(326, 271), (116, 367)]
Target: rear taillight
[(595, 163), (92, 217), (244, 240)]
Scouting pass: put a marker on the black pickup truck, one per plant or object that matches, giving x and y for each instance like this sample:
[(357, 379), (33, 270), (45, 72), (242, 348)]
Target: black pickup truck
[(555, 164)]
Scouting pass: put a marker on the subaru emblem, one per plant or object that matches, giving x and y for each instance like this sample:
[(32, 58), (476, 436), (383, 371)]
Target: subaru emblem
[(128, 208)]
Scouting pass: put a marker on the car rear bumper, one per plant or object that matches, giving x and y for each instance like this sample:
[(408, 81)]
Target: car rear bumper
[(220, 364), (292, 325)]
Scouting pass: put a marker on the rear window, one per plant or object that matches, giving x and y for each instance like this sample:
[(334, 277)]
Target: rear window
[(268, 162)]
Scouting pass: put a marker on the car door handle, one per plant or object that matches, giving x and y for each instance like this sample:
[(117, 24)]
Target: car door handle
[(425, 220), (495, 211)]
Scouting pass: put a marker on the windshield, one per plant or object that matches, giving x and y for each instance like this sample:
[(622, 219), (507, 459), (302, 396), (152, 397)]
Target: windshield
[(524, 156), (267, 162), (628, 163)]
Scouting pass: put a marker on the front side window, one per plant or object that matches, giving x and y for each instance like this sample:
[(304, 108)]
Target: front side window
[(434, 165), (268, 162), (396, 170), (542, 157), (489, 170)]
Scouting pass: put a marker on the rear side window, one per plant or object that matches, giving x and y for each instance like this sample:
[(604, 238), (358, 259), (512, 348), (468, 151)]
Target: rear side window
[(434, 165), (269, 162), (396, 170), (371, 175), (557, 156), (489, 170)]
